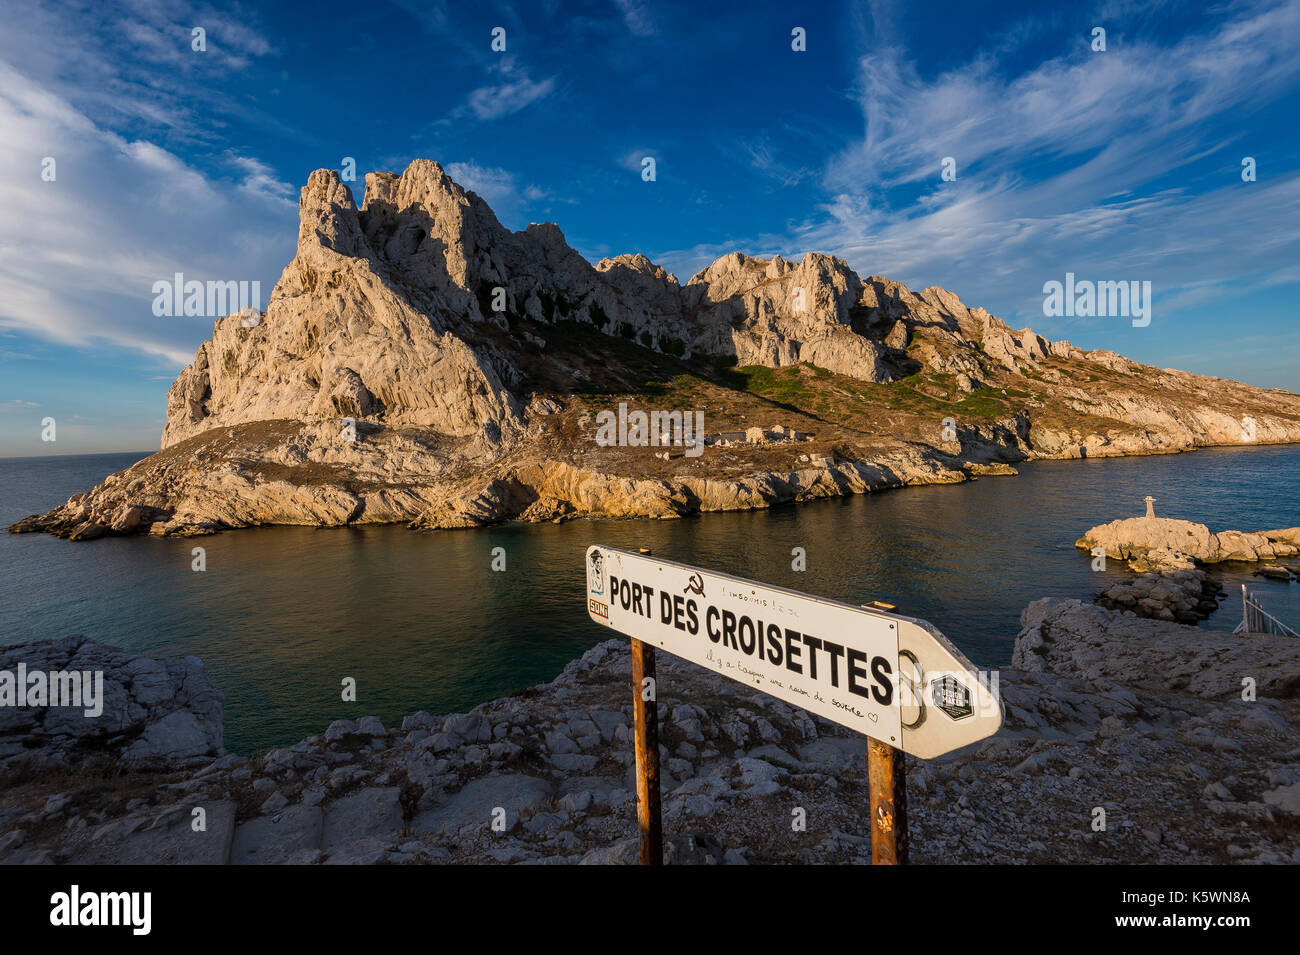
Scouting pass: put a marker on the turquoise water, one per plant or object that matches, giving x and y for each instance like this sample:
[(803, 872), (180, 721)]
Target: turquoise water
[(282, 615)]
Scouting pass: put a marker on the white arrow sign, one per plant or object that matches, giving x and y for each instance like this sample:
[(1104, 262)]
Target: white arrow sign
[(893, 678)]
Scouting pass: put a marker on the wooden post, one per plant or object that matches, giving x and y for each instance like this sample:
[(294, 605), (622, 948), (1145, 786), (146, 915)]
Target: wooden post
[(887, 779), (648, 817)]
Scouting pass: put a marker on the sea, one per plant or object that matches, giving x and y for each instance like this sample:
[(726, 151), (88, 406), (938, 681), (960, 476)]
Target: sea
[(441, 621)]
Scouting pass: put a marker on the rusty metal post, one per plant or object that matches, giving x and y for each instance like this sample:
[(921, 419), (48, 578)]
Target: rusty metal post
[(648, 816), (887, 778)]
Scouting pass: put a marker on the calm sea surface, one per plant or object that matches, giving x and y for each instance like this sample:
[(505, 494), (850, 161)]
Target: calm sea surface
[(421, 621)]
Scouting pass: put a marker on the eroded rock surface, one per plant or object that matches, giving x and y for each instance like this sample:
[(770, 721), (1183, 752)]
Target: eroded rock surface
[(1183, 594), (1148, 721), (135, 712)]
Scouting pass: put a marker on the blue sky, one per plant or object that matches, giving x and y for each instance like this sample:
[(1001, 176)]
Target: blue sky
[(1122, 164)]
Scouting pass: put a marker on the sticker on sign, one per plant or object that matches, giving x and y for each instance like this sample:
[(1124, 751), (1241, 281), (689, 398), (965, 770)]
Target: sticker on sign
[(890, 677)]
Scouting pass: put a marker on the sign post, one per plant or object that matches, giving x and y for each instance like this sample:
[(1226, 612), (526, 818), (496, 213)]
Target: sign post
[(887, 785), (887, 779), (650, 839), (895, 679)]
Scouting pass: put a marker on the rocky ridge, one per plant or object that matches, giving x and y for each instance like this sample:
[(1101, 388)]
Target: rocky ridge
[(419, 362), (1184, 738)]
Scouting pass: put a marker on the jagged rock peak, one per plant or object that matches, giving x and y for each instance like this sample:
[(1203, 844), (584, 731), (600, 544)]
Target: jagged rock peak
[(327, 216), (384, 314), (422, 177), (636, 262)]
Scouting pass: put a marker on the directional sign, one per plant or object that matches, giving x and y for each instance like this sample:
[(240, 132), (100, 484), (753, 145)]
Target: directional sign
[(893, 678)]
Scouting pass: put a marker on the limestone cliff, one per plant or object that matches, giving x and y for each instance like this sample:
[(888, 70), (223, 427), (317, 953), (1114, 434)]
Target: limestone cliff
[(420, 362)]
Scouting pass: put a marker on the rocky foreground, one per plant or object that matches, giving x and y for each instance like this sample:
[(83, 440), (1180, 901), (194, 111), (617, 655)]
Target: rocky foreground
[(1126, 740), (419, 363), (151, 714)]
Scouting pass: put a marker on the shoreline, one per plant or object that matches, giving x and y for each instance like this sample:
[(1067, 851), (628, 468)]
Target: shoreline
[(469, 505), (1140, 717), (1135, 454), (1082, 585)]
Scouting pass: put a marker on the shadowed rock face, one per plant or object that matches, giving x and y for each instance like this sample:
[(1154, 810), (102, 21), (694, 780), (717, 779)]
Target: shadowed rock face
[(152, 714), (368, 321), (419, 362)]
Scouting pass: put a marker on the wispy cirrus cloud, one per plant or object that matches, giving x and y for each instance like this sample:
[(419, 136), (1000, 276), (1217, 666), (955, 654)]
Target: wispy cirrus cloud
[(515, 91), (501, 190), (1126, 100), (511, 91), (634, 159), (762, 157), (260, 180), (636, 14), (496, 186), (1111, 163), (134, 61)]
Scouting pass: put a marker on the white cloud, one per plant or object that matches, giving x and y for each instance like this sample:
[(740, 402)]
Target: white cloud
[(499, 188), (79, 255), (516, 91), (260, 180), (496, 186), (132, 60), (762, 158), (632, 161)]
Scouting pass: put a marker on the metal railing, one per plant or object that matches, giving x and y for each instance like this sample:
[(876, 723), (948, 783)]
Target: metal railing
[(1255, 619)]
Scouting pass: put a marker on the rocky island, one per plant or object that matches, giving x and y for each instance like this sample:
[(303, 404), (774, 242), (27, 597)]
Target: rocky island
[(419, 363)]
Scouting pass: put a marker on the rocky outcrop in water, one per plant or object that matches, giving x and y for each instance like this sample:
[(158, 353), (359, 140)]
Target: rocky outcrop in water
[(1184, 738), (1186, 595), (1166, 553), (1162, 542)]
